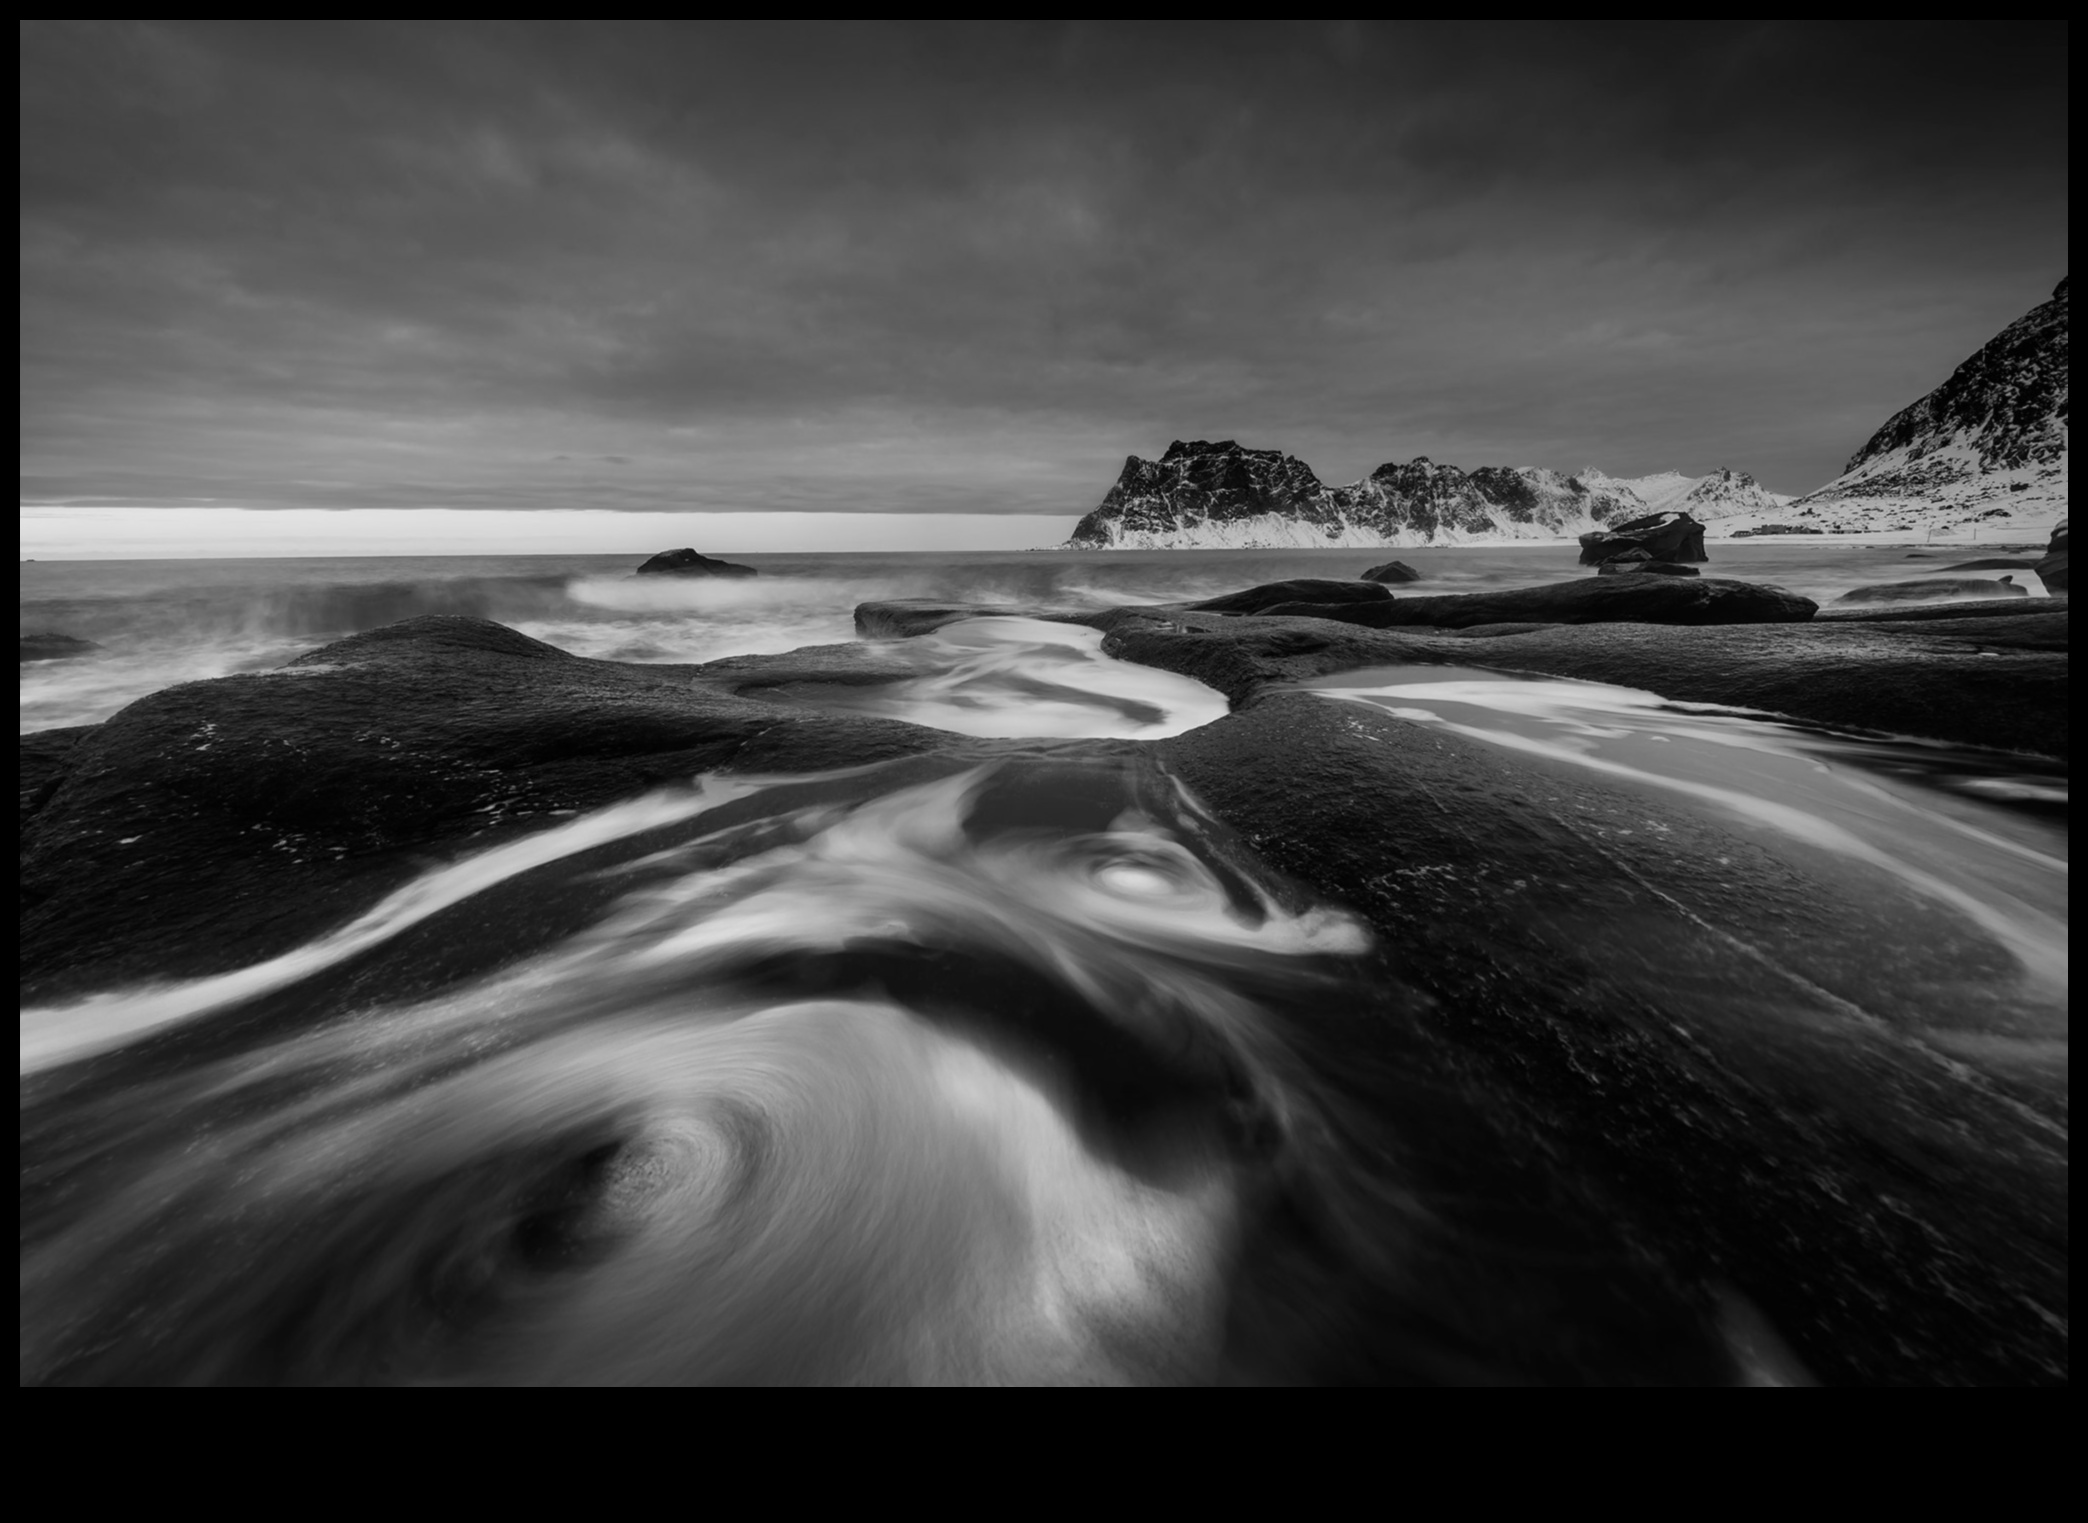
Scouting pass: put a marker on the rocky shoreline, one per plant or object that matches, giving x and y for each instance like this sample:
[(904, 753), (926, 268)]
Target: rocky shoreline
[(1551, 948)]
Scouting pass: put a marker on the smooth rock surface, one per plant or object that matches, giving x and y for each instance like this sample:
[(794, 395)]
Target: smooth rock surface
[(219, 822), (1898, 1224), (1983, 681), (1392, 572)]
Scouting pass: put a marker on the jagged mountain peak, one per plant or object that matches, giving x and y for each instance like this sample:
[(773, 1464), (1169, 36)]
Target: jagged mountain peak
[(1206, 493), (1990, 442)]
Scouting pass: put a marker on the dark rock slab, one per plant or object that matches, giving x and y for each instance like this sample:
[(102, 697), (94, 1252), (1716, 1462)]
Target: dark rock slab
[(1304, 589), (1591, 600), (1392, 572), (1661, 536), (1930, 589), (217, 823), (1999, 681), (53, 647), (1992, 563), (1651, 567), (686, 562), (2051, 570), (1768, 1096)]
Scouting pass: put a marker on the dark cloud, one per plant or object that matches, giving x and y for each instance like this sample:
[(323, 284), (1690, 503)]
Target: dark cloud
[(954, 267)]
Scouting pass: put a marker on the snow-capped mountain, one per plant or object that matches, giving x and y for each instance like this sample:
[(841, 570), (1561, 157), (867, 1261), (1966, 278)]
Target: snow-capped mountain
[(1989, 444), (1218, 495)]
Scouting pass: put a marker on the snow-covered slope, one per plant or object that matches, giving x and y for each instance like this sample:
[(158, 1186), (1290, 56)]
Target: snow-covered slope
[(1217, 495), (1988, 446)]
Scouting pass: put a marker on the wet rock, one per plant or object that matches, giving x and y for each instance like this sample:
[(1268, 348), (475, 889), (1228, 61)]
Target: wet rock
[(1892, 1220), (1930, 589), (1661, 536), (53, 647), (686, 562), (1996, 681), (1992, 563), (46, 756), (217, 823), (1653, 567), (1304, 589), (2051, 570), (1591, 600), (1392, 572)]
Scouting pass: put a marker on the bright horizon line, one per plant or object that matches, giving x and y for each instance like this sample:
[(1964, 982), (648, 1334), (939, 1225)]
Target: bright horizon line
[(196, 533)]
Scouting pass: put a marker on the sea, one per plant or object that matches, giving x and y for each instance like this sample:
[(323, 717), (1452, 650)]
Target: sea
[(161, 622), (1013, 1069)]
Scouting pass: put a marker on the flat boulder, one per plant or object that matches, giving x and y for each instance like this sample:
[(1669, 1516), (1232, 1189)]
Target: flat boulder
[(244, 815), (1655, 568), (2051, 570), (50, 647), (1930, 589), (1303, 589), (1669, 537), (686, 562), (1992, 563), (1392, 571), (1591, 600)]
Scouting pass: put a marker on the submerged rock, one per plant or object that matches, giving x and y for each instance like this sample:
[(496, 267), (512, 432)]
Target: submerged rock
[(53, 647), (1931, 589), (1661, 536), (1393, 572), (1304, 589), (686, 562), (1591, 600)]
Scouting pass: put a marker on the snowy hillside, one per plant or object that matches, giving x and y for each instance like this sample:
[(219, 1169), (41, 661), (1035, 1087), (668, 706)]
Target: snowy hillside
[(1986, 448), (1204, 495)]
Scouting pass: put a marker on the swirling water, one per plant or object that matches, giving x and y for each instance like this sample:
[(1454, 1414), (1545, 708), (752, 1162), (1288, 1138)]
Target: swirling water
[(1001, 1067)]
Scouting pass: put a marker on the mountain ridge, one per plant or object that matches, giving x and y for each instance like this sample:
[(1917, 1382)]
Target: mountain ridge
[(1218, 494)]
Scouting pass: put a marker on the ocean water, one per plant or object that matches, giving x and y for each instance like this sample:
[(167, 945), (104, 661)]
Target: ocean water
[(1000, 1071), (163, 622)]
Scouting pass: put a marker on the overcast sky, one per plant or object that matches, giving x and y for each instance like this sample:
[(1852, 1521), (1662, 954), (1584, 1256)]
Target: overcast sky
[(951, 269)]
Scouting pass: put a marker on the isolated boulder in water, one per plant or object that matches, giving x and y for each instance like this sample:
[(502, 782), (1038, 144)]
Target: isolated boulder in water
[(1591, 600), (2052, 569), (1392, 571), (687, 562), (1932, 589), (1663, 536), (1303, 589), (50, 647), (1640, 562)]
